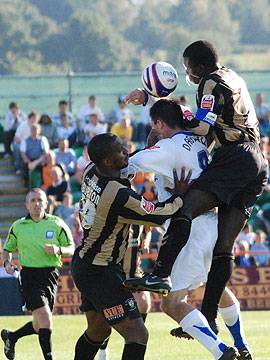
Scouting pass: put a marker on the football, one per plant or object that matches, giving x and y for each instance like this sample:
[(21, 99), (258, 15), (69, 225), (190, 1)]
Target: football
[(159, 79)]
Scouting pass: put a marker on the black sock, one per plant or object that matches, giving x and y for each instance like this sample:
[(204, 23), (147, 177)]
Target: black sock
[(25, 330), (134, 351), (44, 336), (105, 344), (175, 239), (218, 276), (86, 348), (144, 316)]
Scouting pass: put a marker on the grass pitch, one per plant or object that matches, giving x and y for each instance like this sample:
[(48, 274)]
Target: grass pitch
[(161, 346)]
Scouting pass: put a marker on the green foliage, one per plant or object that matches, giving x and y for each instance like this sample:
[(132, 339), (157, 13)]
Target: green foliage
[(109, 35)]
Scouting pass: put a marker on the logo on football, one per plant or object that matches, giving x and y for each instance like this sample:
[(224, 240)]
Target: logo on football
[(159, 79)]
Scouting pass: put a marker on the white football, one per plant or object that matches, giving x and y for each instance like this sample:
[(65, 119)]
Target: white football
[(159, 79)]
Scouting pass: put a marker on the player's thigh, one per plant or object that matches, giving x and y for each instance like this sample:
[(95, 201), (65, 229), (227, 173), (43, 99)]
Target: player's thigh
[(230, 222), (197, 202)]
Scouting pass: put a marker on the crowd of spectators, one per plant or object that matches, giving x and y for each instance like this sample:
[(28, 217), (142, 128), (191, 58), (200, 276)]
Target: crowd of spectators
[(50, 151)]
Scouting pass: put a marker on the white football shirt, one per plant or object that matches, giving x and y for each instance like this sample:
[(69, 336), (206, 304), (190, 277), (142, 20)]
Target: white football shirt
[(183, 149)]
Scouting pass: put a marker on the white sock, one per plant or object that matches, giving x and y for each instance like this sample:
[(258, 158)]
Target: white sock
[(195, 324), (232, 318)]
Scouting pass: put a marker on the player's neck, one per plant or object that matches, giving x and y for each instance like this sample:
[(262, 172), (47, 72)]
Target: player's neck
[(108, 172), (172, 132)]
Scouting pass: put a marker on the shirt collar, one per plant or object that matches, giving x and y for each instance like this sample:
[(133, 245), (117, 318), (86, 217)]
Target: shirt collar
[(182, 132), (28, 217)]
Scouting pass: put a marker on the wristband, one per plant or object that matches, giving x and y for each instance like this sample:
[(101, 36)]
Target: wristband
[(146, 96)]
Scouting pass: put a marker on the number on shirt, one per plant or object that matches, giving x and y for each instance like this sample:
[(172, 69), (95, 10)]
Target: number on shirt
[(202, 159)]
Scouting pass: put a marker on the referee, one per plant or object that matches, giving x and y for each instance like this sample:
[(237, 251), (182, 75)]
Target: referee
[(40, 240)]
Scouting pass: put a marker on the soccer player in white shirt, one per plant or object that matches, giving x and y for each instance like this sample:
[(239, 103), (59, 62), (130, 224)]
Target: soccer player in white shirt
[(180, 149)]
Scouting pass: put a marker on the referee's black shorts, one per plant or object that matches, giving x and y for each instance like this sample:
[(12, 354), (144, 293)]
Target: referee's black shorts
[(237, 175), (38, 287), (102, 290)]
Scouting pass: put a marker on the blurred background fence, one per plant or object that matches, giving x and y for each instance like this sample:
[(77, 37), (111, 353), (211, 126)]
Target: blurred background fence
[(42, 92)]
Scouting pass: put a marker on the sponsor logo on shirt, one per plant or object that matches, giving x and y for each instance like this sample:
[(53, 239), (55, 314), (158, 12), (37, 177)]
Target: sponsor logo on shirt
[(49, 234), (187, 114), (147, 206), (208, 102)]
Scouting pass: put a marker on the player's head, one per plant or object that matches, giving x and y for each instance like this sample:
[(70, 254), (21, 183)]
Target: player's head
[(166, 117), (36, 202), (108, 152), (200, 59)]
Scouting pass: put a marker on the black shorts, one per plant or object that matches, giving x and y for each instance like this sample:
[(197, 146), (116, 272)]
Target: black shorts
[(237, 175), (102, 290), (38, 287)]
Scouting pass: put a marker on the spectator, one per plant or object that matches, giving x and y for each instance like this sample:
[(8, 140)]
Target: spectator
[(63, 110), (49, 163), (56, 191), (49, 130), (241, 259), (23, 132), (259, 245), (121, 111), (74, 224), (95, 127), (183, 100), (14, 117), (33, 150), (82, 162), (65, 209), (66, 157), (65, 129), (78, 138), (123, 129), (246, 236), (263, 114), (88, 109)]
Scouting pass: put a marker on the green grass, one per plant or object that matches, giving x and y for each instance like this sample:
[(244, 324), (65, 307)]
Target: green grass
[(161, 345)]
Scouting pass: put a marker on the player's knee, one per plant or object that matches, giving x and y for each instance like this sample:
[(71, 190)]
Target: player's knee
[(97, 334), (133, 330)]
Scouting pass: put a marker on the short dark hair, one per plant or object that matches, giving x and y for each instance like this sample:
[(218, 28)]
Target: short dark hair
[(202, 52), (92, 97), (169, 112), (32, 113), (100, 147), (62, 102), (13, 105)]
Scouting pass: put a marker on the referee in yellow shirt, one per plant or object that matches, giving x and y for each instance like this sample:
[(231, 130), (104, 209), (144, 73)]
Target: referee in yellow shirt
[(40, 239)]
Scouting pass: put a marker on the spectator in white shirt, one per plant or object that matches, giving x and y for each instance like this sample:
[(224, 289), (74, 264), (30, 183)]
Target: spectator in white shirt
[(23, 132), (65, 129), (66, 157), (95, 127), (88, 109), (14, 117), (63, 109)]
